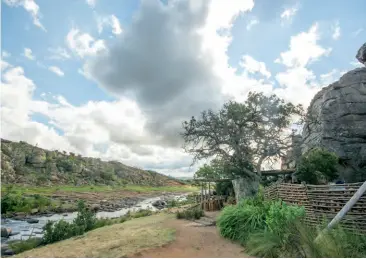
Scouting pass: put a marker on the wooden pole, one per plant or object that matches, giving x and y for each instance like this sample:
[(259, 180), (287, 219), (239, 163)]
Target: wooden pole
[(340, 215), (209, 190)]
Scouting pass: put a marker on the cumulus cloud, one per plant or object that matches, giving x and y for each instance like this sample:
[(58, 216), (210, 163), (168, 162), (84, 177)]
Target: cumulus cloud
[(297, 56), (82, 44), (160, 63), (111, 21), (298, 83), (253, 66), (336, 31), (56, 70), (31, 7), (29, 54)]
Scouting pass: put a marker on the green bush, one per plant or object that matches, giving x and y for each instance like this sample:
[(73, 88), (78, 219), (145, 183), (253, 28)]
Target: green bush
[(84, 221), (12, 201), (255, 215), (192, 213), (317, 165)]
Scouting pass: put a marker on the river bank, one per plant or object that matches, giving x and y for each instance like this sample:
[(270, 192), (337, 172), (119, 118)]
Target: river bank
[(32, 226), (64, 198)]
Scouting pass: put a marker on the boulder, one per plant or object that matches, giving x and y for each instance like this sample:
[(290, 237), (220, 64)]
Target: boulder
[(159, 204), (336, 121), (5, 232), (361, 54), (5, 250), (32, 221), (34, 211), (95, 207)]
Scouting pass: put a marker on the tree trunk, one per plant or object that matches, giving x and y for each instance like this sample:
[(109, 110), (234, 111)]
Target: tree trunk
[(245, 187)]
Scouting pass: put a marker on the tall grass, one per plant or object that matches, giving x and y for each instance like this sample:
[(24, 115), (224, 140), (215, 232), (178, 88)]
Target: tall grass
[(275, 229), (191, 213)]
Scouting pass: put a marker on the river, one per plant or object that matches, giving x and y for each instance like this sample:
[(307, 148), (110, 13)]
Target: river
[(25, 230)]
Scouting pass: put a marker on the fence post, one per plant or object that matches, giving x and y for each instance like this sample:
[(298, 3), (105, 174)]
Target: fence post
[(340, 215)]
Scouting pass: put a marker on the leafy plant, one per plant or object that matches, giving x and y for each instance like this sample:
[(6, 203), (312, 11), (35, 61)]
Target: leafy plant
[(317, 165)]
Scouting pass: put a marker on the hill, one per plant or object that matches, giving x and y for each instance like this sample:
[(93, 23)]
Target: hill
[(22, 163)]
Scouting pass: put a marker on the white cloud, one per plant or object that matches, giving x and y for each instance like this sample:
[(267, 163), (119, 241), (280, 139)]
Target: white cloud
[(31, 7), (251, 23), (357, 32), (56, 70), (336, 31), (288, 13), (83, 44), (91, 3), (303, 49), (253, 66), (59, 53), (298, 83), (29, 54), (5, 54), (111, 21)]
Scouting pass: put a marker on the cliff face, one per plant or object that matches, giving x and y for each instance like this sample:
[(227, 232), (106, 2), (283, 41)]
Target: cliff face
[(27, 164), (337, 122)]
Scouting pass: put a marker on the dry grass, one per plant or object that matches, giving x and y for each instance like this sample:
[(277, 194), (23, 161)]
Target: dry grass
[(117, 240)]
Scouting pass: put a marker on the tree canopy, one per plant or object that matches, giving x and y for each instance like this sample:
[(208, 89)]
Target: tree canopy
[(242, 136)]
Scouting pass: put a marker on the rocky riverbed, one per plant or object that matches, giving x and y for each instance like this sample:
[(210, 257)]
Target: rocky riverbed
[(32, 226)]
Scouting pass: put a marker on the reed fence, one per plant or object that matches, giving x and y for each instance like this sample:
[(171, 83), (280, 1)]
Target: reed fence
[(322, 201)]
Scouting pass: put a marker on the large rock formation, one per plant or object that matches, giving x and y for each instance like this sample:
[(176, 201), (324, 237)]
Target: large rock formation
[(361, 54), (337, 122), (27, 164)]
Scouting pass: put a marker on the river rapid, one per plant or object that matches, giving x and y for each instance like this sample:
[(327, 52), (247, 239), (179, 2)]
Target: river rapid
[(23, 230)]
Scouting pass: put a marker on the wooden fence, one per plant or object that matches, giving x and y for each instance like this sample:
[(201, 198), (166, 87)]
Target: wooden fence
[(322, 201)]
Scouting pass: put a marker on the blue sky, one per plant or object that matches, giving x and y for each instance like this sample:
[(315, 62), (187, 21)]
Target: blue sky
[(131, 71)]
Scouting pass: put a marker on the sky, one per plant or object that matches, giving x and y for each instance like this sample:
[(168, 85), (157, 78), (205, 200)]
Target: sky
[(115, 79)]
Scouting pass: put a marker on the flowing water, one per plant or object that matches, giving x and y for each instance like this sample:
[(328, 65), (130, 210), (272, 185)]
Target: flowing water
[(24, 230)]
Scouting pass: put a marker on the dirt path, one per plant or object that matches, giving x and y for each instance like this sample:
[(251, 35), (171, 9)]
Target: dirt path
[(194, 241)]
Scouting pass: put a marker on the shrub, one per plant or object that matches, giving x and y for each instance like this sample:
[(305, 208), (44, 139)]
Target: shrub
[(12, 201), (21, 246), (58, 231), (255, 215), (84, 221), (85, 217), (192, 213), (316, 165)]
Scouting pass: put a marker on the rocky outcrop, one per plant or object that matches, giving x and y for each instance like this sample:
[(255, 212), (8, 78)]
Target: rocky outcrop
[(293, 154), (361, 54), (31, 165), (336, 120)]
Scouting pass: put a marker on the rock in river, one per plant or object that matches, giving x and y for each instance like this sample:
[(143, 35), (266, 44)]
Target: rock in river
[(32, 221), (159, 204), (5, 232)]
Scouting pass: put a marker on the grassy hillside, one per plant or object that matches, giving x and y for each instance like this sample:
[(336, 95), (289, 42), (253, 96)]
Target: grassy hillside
[(22, 163)]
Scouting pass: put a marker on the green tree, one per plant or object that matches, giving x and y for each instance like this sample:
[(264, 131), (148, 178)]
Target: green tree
[(316, 165), (242, 135)]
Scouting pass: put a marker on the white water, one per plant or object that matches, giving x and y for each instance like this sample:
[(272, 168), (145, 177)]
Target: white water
[(35, 230)]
